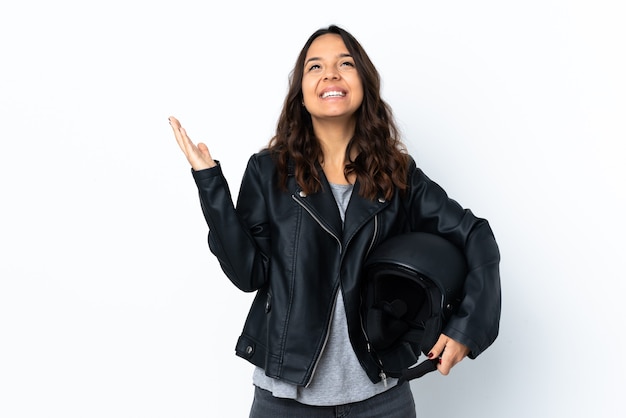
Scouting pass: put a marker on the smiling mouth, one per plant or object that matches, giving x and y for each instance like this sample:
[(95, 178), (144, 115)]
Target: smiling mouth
[(333, 94)]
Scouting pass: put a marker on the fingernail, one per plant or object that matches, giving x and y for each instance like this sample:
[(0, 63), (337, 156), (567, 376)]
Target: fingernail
[(439, 360), (430, 355)]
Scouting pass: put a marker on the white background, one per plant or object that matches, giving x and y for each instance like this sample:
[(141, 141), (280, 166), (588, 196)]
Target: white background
[(111, 304)]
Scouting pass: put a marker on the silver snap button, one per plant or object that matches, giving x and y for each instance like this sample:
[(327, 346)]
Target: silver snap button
[(302, 194)]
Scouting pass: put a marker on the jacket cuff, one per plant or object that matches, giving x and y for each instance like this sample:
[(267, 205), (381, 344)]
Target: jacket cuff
[(207, 172)]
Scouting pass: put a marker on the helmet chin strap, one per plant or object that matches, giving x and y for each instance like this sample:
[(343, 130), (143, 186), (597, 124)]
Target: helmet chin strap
[(425, 338), (418, 371)]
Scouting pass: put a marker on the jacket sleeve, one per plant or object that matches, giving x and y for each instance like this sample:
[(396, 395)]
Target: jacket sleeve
[(476, 323), (239, 238)]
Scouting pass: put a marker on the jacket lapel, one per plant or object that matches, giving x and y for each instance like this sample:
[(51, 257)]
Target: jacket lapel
[(360, 210), (323, 208)]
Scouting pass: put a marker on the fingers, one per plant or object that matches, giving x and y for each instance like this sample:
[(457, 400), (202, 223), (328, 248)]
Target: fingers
[(182, 138), (449, 351), (198, 156), (176, 127), (204, 150), (438, 348)]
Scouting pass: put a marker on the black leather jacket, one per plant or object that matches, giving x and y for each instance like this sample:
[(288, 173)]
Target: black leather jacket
[(293, 251)]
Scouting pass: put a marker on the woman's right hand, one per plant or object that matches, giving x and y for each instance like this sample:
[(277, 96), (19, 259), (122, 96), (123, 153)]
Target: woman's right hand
[(197, 155)]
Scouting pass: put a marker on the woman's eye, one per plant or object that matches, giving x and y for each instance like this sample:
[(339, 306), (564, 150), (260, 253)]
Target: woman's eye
[(314, 67), (348, 63)]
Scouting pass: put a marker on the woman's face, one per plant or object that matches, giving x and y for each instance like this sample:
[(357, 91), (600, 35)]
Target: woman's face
[(331, 85)]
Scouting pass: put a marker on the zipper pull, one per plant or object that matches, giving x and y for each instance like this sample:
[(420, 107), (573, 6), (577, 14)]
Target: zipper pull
[(383, 376)]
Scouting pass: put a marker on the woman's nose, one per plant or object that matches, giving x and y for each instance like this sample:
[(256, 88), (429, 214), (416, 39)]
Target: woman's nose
[(331, 74)]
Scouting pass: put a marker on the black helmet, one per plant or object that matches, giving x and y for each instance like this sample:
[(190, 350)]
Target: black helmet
[(413, 283)]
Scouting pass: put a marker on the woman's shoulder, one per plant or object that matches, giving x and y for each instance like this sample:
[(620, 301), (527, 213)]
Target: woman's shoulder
[(415, 173), (410, 161), (262, 162), (263, 157)]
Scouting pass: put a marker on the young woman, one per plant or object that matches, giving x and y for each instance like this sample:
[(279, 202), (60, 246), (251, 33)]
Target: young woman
[(333, 183)]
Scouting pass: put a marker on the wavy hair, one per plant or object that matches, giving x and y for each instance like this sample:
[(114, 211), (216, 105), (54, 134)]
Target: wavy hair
[(381, 159)]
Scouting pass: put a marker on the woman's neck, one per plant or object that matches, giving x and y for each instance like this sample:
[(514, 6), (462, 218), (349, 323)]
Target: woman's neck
[(334, 137), (334, 158)]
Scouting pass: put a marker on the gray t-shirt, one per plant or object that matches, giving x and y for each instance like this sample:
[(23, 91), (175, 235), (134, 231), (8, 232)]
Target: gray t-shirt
[(338, 378)]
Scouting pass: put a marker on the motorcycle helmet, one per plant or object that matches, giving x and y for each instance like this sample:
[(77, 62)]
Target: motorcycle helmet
[(412, 284)]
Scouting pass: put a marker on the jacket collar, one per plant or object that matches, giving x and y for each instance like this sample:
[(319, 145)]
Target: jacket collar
[(360, 210), (323, 208)]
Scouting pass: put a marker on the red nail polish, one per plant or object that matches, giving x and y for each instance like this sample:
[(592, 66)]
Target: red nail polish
[(440, 360), (430, 355)]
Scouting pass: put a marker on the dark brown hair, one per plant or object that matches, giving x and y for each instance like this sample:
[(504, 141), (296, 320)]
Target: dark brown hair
[(381, 161)]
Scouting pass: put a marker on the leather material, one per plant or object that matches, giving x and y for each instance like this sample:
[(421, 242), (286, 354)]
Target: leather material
[(292, 251)]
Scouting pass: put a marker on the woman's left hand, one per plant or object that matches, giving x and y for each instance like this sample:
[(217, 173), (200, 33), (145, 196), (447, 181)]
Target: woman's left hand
[(449, 351)]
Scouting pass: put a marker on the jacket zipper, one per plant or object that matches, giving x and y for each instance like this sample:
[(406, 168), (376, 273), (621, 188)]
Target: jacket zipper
[(369, 249), (382, 374), (319, 222), (317, 362)]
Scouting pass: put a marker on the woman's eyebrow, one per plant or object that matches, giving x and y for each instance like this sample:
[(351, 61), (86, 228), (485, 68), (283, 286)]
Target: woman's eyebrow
[(312, 59), (343, 55)]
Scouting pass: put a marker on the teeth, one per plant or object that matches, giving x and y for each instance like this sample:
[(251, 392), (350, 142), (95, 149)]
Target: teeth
[(332, 94)]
